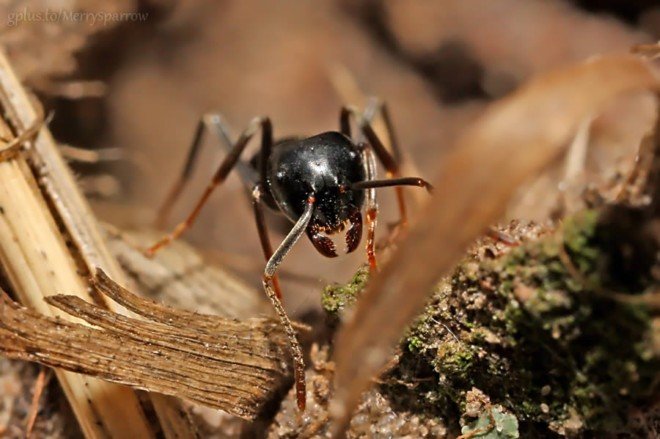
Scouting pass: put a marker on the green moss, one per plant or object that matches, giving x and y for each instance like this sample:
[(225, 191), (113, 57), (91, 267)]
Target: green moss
[(533, 336), (335, 298), (415, 343)]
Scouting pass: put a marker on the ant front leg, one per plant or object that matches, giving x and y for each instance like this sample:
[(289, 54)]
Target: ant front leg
[(229, 162), (269, 275), (371, 207), (390, 160)]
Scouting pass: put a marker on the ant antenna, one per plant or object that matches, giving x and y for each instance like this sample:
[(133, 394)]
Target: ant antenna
[(392, 182), (269, 274)]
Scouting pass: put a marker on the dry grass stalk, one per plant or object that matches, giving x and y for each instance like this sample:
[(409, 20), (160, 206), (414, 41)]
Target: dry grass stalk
[(39, 262), (514, 139), (222, 363)]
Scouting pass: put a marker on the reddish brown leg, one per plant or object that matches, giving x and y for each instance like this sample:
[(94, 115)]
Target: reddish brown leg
[(371, 210), (262, 229), (391, 161), (371, 205), (225, 167), (191, 159)]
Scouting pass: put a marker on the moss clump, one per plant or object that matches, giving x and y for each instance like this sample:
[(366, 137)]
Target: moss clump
[(336, 298), (534, 330)]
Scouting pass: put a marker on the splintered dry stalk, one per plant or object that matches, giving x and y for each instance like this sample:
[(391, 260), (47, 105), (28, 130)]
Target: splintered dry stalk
[(38, 261), (511, 142), (222, 363)]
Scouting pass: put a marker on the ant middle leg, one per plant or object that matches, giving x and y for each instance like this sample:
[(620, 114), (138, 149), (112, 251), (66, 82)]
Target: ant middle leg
[(229, 162)]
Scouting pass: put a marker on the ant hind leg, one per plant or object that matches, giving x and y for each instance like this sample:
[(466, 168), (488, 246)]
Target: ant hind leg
[(229, 162)]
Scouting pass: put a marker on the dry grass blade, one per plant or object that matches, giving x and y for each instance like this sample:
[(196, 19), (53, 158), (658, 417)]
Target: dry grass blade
[(101, 409), (221, 363), (514, 139)]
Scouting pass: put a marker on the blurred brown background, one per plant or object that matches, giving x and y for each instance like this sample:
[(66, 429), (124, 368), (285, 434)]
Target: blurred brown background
[(140, 86)]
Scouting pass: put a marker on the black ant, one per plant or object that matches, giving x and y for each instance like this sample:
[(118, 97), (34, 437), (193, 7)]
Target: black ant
[(318, 183)]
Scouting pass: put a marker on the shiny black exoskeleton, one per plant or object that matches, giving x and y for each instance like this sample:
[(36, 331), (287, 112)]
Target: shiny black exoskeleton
[(324, 166)]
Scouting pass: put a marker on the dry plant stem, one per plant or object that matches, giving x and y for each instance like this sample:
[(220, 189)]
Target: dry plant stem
[(37, 262), (512, 141), (103, 410), (230, 365), (55, 176)]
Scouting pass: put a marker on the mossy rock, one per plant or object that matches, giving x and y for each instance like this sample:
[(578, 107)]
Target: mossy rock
[(536, 331)]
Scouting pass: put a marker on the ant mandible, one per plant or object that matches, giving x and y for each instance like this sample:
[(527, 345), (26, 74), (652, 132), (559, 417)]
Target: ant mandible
[(318, 183)]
